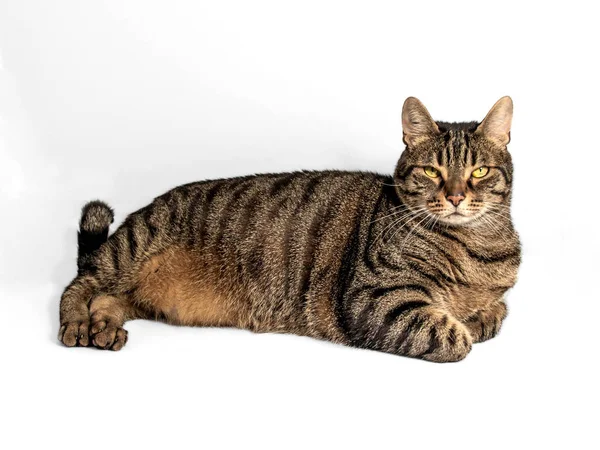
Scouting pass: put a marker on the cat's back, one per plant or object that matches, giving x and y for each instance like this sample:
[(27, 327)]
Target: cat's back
[(213, 212)]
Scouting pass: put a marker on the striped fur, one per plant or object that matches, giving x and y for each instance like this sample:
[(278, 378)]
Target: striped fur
[(356, 258)]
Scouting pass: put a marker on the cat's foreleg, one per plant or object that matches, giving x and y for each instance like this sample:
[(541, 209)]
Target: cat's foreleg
[(408, 325)]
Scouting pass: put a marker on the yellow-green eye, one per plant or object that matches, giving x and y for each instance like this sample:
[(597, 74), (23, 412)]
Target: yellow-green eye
[(481, 172), (431, 172)]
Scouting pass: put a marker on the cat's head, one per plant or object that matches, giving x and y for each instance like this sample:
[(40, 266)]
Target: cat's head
[(455, 172)]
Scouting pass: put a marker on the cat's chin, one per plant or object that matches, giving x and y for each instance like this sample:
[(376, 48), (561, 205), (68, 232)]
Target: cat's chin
[(456, 219)]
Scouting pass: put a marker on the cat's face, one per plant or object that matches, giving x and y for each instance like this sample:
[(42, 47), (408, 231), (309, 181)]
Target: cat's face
[(455, 173)]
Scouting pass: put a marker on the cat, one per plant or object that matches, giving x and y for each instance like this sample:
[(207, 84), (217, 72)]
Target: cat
[(413, 264)]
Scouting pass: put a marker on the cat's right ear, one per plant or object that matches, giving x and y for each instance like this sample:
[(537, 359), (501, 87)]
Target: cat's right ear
[(417, 124), (496, 125)]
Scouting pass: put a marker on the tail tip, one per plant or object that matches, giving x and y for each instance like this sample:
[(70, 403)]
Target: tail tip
[(96, 216)]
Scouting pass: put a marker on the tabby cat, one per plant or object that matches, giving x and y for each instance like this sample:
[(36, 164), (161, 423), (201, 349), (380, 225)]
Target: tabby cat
[(412, 264)]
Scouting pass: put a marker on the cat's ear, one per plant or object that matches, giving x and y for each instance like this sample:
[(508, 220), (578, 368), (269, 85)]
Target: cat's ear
[(417, 124), (496, 125)]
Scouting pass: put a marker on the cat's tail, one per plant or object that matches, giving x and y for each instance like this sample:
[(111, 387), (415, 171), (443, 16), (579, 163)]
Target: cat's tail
[(96, 217)]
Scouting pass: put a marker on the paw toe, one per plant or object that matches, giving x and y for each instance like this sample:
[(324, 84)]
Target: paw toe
[(83, 335), (74, 333), (105, 338), (120, 340), (98, 327), (107, 335), (455, 347)]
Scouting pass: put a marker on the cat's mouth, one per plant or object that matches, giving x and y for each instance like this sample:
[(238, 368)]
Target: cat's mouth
[(454, 215)]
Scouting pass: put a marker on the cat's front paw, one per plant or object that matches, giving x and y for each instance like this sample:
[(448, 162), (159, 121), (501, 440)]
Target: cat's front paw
[(486, 324), (482, 331), (455, 342)]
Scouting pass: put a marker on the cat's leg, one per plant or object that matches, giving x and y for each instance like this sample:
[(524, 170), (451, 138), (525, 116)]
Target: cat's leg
[(108, 314), (485, 324), (411, 327), (74, 311)]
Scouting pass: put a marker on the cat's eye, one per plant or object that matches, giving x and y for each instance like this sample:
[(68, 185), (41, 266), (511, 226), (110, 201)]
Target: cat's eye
[(431, 172), (481, 172)]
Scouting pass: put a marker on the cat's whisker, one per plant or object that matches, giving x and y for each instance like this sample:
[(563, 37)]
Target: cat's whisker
[(489, 223), (396, 210), (503, 230), (405, 217), (498, 208), (410, 232), (502, 215), (408, 222), (498, 214), (498, 229), (427, 216)]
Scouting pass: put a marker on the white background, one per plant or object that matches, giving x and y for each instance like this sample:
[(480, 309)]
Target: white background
[(123, 100)]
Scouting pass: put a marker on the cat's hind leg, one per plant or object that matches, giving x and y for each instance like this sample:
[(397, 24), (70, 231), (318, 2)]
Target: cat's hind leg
[(74, 311), (96, 218)]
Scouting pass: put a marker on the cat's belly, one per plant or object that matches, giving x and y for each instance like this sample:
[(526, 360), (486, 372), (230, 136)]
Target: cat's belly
[(176, 285), (186, 288)]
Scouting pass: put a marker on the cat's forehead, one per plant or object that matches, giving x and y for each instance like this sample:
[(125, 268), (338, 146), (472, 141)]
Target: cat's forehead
[(455, 149), (457, 146)]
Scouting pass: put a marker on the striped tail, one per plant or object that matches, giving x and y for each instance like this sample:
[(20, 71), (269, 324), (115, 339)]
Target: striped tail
[(96, 217)]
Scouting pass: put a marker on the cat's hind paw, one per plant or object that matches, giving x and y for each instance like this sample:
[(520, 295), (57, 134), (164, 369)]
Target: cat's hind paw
[(74, 333), (107, 335)]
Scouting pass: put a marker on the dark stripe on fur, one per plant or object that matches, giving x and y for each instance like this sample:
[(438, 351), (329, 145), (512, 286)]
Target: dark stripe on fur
[(392, 317), (346, 272), (379, 292)]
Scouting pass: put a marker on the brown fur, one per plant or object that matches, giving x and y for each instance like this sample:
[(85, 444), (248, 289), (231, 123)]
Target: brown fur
[(174, 286), (413, 264)]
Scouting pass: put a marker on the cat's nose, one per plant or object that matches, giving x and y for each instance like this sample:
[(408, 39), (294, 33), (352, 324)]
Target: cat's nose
[(456, 198)]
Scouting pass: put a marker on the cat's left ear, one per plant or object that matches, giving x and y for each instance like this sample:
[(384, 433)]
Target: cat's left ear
[(496, 125)]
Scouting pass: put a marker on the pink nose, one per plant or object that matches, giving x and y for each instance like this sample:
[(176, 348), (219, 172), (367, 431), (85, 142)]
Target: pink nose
[(456, 198)]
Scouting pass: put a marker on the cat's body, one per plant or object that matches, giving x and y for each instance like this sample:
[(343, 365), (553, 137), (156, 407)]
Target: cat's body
[(341, 256)]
